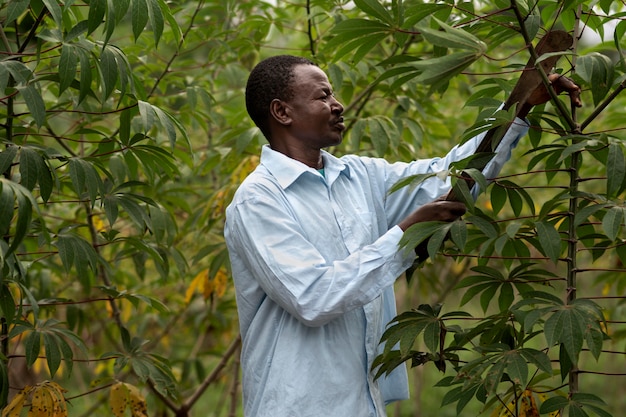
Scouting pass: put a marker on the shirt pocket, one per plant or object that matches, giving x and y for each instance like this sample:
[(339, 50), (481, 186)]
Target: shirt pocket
[(363, 228)]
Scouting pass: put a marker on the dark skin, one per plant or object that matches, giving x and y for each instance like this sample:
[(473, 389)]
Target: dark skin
[(313, 119)]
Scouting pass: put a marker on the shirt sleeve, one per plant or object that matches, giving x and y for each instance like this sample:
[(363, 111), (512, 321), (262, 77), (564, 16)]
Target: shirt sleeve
[(294, 274), (402, 202)]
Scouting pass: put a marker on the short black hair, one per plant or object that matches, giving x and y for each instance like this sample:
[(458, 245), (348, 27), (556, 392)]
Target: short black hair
[(270, 79)]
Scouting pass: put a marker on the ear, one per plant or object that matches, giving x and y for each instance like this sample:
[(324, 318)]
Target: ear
[(280, 112)]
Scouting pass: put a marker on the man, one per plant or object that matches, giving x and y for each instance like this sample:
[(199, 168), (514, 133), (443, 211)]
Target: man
[(314, 247)]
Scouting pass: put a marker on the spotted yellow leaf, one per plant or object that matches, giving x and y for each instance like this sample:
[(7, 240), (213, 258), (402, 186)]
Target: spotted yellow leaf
[(17, 403), (118, 399), (138, 406)]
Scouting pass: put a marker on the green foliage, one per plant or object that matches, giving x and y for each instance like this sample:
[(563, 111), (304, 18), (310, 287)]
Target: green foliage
[(124, 135)]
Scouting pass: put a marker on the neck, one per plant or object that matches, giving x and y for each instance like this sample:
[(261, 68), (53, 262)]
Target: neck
[(309, 157)]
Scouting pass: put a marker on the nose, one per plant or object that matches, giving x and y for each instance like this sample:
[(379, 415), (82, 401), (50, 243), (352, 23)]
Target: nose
[(336, 106)]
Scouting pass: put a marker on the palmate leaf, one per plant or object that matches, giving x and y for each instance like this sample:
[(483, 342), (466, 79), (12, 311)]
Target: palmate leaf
[(150, 115), (356, 35), (576, 405), (569, 326), (76, 252), (85, 178)]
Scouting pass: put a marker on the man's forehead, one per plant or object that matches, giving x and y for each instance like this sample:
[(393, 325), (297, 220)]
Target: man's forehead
[(310, 74)]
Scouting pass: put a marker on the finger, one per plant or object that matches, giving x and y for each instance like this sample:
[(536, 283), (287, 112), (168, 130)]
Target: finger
[(564, 84), (452, 210)]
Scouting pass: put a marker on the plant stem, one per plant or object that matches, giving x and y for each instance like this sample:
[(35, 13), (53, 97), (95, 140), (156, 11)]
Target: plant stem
[(572, 241)]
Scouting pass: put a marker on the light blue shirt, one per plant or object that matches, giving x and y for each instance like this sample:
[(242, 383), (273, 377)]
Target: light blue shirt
[(314, 259)]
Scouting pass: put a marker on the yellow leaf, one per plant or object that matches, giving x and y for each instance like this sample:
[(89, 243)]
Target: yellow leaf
[(118, 399), (220, 282), (138, 405), (109, 309), (98, 224), (17, 403), (198, 283), (60, 406), (529, 406), (42, 403)]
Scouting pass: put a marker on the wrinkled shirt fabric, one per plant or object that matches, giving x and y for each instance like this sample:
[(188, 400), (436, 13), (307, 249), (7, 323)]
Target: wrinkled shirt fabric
[(314, 258)]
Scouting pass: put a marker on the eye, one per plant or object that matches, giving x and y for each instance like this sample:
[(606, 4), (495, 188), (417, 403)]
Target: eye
[(326, 95)]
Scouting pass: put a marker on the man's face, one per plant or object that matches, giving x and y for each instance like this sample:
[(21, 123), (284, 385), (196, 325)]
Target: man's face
[(317, 120)]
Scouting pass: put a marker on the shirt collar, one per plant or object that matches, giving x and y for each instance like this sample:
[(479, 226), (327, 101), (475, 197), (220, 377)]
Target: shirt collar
[(287, 170)]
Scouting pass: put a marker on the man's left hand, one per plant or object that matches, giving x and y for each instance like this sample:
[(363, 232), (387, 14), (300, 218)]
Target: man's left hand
[(561, 84)]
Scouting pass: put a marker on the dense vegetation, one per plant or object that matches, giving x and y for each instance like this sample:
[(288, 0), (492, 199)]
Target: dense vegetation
[(124, 135)]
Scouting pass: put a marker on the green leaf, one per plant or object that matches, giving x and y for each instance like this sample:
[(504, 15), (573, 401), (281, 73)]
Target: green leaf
[(553, 404), (431, 336), (506, 296), (565, 327), (375, 9), (419, 232), (612, 221), (55, 11), (76, 252), (615, 170), (18, 70), (35, 103), (32, 345), (498, 198), (85, 75), (137, 213), (139, 16), (6, 158), (124, 69), (109, 71), (453, 38), (549, 239), (85, 178), (7, 303), (25, 204), (67, 66), (53, 352), (538, 358), (437, 71), (517, 368), (485, 226), (597, 70), (146, 111), (458, 233), (97, 10), (155, 16), (15, 8), (29, 164), (584, 213)]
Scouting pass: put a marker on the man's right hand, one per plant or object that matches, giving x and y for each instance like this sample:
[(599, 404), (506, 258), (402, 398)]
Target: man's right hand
[(439, 210)]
